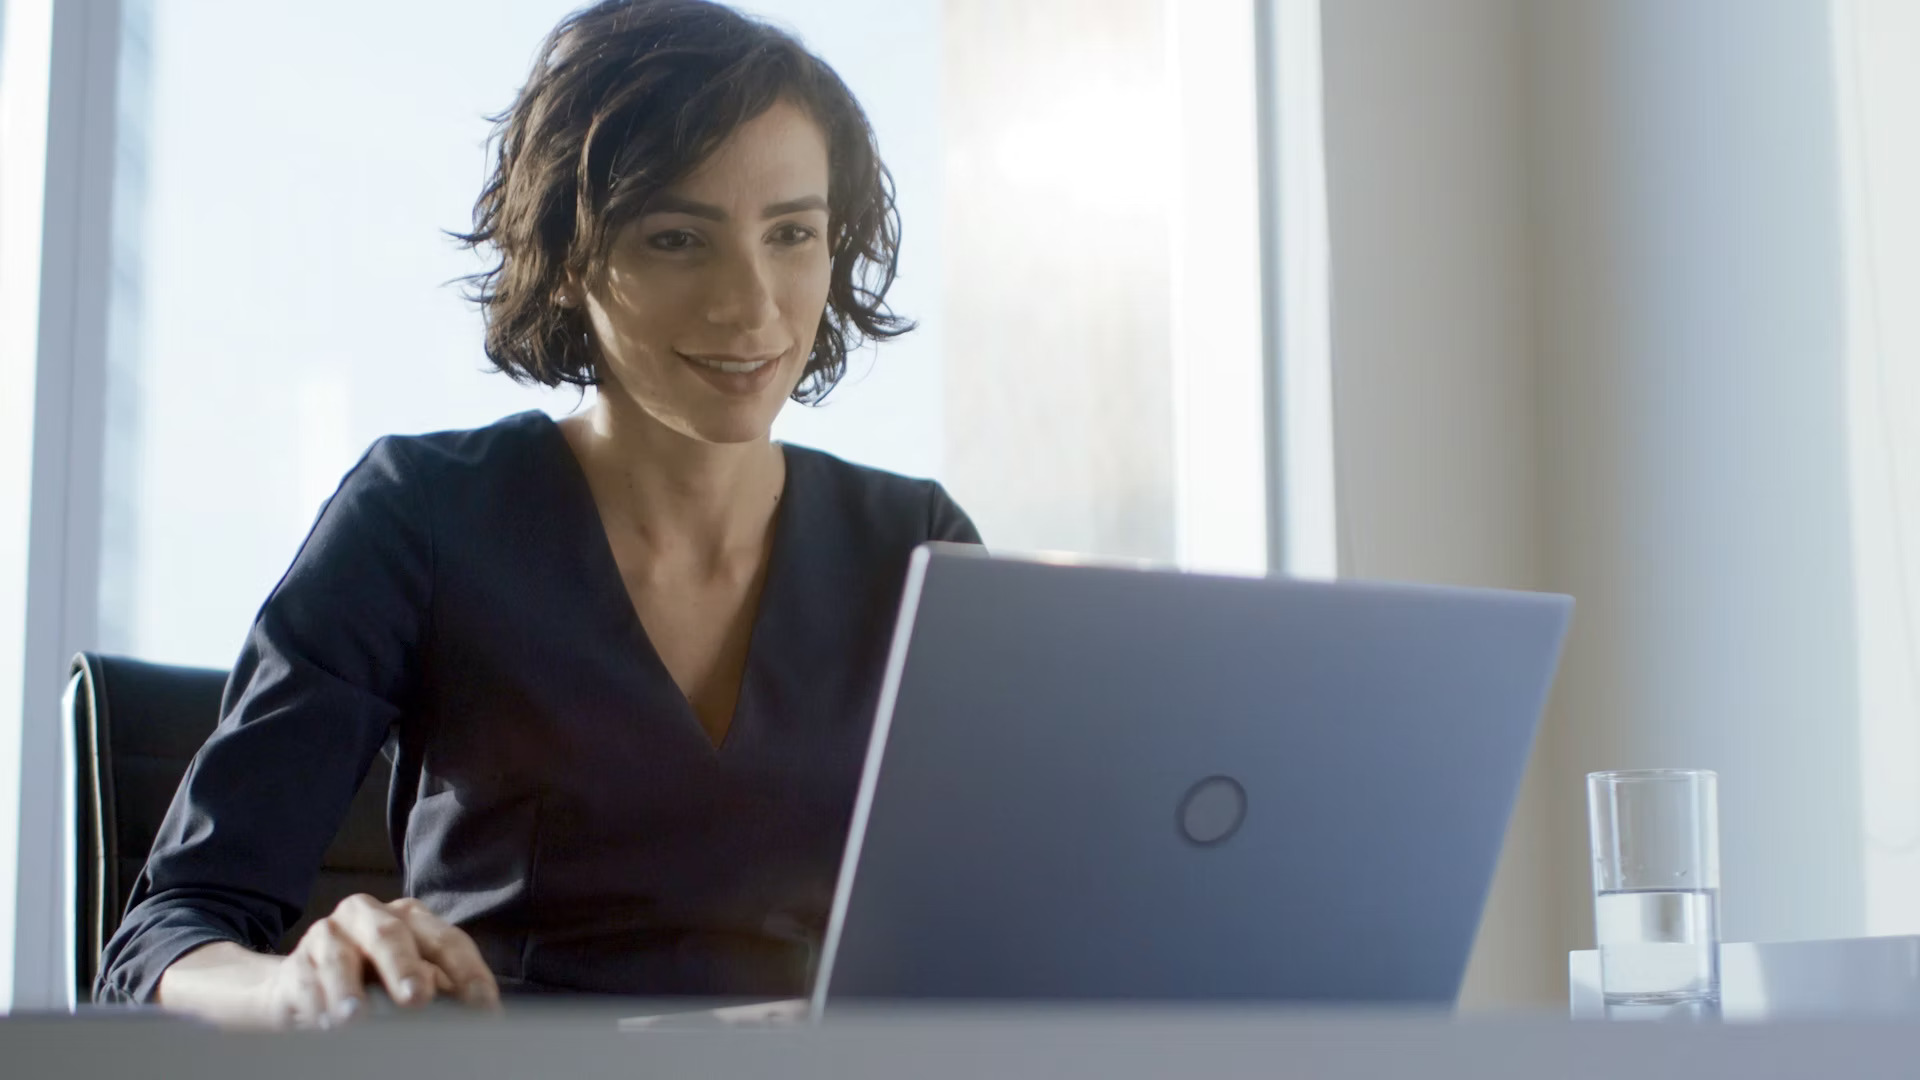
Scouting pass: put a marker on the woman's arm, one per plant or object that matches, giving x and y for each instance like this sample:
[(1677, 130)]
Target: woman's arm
[(401, 945), (318, 687), (221, 981)]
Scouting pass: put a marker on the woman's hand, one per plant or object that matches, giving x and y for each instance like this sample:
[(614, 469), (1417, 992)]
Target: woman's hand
[(400, 945), (365, 942)]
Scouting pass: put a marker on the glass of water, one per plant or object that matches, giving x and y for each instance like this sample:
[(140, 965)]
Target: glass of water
[(1656, 881)]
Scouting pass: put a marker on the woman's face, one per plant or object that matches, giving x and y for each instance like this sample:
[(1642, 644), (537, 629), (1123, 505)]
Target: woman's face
[(711, 298)]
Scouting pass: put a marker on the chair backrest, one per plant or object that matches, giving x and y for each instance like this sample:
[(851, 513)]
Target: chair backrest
[(136, 727)]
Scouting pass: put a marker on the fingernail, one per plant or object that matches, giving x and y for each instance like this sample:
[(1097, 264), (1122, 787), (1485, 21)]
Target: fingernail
[(345, 1010), (409, 989), (474, 992)]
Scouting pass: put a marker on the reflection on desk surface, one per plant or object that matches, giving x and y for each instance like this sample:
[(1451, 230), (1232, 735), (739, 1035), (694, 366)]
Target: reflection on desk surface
[(1111, 1043)]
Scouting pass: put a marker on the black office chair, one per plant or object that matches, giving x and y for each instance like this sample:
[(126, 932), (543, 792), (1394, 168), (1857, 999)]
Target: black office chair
[(136, 727)]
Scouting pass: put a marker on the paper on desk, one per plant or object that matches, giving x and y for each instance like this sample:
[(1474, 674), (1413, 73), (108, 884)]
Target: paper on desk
[(758, 1014)]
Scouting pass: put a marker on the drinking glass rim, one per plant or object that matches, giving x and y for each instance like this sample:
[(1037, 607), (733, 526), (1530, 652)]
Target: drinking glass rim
[(1651, 774)]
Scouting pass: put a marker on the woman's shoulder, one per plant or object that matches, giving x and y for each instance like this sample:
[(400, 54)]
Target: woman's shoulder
[(508, 443), (512, 461), (876, 500), (840, 480)]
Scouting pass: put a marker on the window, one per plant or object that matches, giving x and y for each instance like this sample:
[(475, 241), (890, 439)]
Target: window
[(1087, 375), (278, 299)]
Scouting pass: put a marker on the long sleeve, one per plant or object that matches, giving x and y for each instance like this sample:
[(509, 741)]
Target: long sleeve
[(324, 674)]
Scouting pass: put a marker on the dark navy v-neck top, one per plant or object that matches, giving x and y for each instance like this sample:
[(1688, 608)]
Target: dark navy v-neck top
[(554, 793)]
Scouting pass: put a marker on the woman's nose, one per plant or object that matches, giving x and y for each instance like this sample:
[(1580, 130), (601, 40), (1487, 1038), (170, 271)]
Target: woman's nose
[(743, 297)]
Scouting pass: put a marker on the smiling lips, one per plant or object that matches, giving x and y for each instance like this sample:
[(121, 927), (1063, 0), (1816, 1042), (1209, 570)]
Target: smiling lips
[(732, 365)]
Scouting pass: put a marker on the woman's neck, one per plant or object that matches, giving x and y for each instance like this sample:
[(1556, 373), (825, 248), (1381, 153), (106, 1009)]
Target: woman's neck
[(681, 497)]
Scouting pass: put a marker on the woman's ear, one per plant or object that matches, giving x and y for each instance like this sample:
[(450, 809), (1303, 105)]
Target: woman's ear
[(570, 293)]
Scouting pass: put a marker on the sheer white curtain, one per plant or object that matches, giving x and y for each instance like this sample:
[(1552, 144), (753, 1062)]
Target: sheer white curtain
[(1875, 43)]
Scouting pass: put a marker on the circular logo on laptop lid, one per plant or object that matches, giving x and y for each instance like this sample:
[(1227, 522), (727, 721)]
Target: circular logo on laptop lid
[(1212, 810)]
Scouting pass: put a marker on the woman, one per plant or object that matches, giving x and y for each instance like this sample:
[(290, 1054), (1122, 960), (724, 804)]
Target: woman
[(625, 663)]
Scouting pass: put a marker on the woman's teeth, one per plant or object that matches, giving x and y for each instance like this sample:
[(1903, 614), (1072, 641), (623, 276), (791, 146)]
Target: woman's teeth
[(731, 367)]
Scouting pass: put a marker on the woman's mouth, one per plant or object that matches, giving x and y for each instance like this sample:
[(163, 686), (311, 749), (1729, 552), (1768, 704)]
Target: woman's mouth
[(734, 375), (731, 365)]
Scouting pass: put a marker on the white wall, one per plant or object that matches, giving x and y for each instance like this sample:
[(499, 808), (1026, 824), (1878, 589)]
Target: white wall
[(1588, 337), (1432, 358), (1694, 443)]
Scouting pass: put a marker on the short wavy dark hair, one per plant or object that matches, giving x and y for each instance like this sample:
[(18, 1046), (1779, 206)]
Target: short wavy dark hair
[(626, 98)]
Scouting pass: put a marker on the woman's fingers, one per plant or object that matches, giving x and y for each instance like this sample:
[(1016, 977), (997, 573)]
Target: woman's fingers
[(303, 1000), (339, 968), (452, 951), (416, 954), (387, 941)]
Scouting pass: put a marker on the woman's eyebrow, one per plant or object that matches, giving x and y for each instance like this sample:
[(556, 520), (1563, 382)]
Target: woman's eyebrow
[(673, 204)]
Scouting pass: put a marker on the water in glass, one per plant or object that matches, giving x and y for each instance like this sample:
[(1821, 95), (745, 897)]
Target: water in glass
[(1658, 946)]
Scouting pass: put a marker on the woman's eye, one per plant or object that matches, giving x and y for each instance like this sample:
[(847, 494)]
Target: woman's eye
[(677, 240), (793, 235)]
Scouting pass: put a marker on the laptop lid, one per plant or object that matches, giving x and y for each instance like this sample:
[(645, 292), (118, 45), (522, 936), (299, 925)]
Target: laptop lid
[(1088, 782)]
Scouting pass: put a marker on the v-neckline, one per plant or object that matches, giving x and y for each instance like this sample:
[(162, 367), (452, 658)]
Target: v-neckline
[(629, 615)]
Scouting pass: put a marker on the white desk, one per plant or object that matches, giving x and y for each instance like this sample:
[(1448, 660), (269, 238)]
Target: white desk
[(1186, 1044), (1791, 980)]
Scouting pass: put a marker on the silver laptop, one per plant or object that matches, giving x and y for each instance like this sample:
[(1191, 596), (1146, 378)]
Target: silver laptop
[(1089, 782)]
